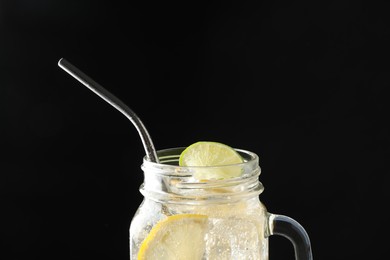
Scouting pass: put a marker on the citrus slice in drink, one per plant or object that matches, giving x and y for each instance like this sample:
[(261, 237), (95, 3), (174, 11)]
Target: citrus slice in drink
[(178, 237), (206, 153)]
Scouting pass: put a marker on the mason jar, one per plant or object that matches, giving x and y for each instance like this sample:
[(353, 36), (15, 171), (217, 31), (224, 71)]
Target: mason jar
[(228, 219)]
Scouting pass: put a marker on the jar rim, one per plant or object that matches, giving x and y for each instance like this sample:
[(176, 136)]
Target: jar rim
[(167, 181), (169, 157)]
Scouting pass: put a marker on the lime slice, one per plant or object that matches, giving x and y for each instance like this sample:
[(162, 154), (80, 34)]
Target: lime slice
[(205, 153), (178, 237)]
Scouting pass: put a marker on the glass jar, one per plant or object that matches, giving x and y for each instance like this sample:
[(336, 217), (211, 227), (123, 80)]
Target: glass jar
[(238, 224)]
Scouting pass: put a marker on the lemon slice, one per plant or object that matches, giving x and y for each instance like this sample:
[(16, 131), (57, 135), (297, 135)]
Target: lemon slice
[(206, 153), (178, 237)]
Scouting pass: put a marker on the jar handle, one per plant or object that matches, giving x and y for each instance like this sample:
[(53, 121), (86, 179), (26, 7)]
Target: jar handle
[(287, 227)]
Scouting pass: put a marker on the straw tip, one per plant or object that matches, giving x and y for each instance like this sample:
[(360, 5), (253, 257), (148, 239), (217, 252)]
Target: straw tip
[(60, 62)]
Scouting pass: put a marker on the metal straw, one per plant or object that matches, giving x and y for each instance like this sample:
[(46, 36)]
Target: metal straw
[(115, 102)]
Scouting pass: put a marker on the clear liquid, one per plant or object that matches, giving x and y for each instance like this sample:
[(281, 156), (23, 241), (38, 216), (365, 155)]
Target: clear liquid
[(235, 231), (233, 238)]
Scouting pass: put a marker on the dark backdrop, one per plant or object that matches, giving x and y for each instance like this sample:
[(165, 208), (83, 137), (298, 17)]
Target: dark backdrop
[(301, 83)]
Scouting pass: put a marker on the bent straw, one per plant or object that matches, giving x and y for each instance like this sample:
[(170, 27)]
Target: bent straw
[(115, 102)]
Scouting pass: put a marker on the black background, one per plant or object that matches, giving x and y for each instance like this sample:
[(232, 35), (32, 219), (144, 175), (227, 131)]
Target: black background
[(301, 83)]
